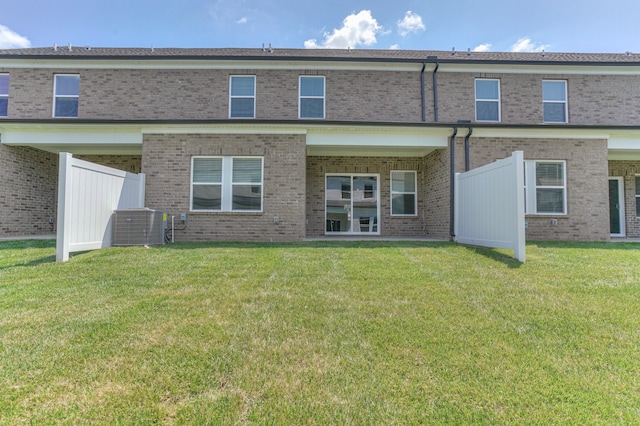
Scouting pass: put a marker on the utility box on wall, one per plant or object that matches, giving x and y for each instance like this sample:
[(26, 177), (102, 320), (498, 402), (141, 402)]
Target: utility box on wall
[(139, 227)]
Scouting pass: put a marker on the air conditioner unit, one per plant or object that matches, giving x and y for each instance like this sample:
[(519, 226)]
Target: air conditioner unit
[(139, 227)]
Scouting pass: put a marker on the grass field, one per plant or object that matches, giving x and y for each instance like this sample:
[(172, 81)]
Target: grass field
[(320, 333)]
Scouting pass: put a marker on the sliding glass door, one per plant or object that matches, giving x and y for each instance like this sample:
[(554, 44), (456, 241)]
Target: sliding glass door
[(352, 204)]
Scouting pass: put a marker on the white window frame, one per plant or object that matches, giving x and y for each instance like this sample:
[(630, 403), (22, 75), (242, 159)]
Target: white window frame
[(498, 101), (415, 193), (565, 102), (56, 96), (227, 185), (231, 96), (5, 95), (323, 97), (530, 188), (350, 198)]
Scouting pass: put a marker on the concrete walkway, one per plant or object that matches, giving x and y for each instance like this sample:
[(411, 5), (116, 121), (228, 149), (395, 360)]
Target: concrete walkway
[(29, 237)]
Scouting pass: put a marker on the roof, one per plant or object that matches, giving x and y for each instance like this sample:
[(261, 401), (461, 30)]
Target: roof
[(358, 55)]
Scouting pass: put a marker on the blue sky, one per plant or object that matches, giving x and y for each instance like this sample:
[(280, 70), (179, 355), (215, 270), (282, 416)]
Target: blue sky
[(495, 25)]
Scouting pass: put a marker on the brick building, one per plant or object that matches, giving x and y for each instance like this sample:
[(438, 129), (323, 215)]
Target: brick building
[(287, 144)]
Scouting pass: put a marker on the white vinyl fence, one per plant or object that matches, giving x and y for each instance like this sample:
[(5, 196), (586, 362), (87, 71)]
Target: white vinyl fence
[(88, 194), (489, 205)]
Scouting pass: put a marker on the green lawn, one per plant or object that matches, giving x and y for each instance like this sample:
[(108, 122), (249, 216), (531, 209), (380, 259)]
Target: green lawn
[(320, 333)]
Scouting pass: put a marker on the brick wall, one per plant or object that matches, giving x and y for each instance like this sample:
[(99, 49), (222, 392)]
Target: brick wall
[(436, 194), (29, 191), (128, 163), (28, 199), (386, 96), (167, 164), (592, 99), (587, 217), (204, 94), (628, 171), (318, 167)]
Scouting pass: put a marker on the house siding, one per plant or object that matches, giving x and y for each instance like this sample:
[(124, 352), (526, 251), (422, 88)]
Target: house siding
[(128, 163), (397, 226), (436, 193), (628, 171), (29, 187), (587, 217), (146, 103), (592, 99), (166, 160), (132, 94)]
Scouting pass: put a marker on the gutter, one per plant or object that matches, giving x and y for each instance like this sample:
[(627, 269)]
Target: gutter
[(291, 58), (424, 111), (435, 92), (452, 176), (313, 123)]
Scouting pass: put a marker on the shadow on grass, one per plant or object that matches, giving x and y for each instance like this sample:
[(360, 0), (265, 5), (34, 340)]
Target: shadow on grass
[(492, 254), (608, 245), (27, 244), (495, 255), (309, 244), (26, 260)]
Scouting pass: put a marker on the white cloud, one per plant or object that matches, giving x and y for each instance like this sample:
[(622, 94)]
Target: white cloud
[(357, 30), (484, 47), (226, 14), (394, 47), (526, 45), (411, 23), (9, 39)]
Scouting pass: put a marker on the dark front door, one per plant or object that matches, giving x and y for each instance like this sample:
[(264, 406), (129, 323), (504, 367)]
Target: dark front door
[(616, 223)]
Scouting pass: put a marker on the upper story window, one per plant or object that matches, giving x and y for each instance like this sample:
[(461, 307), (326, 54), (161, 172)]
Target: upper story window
[(545, 187), (4, 94), (242, 96), (226, 184), (554, 101), (487, 99), (66, 93), (312, 92), (404, 200)]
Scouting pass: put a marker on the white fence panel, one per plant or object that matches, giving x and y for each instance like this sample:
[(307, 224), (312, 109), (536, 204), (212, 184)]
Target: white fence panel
[(489, 205), (88, 194)]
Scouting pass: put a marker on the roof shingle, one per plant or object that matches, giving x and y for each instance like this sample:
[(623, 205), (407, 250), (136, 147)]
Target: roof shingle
[(86, 52)]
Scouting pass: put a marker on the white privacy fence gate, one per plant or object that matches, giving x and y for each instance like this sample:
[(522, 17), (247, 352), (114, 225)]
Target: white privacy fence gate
[(489, 205), (88, 194)]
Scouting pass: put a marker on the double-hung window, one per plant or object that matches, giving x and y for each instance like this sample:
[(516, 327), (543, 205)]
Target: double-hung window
[(4, 94), (242, 96), (312, 95), (487, 99), (226, 184), (545, 187), (66, 93), (404, 200), (554, 101), (637, 195)]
